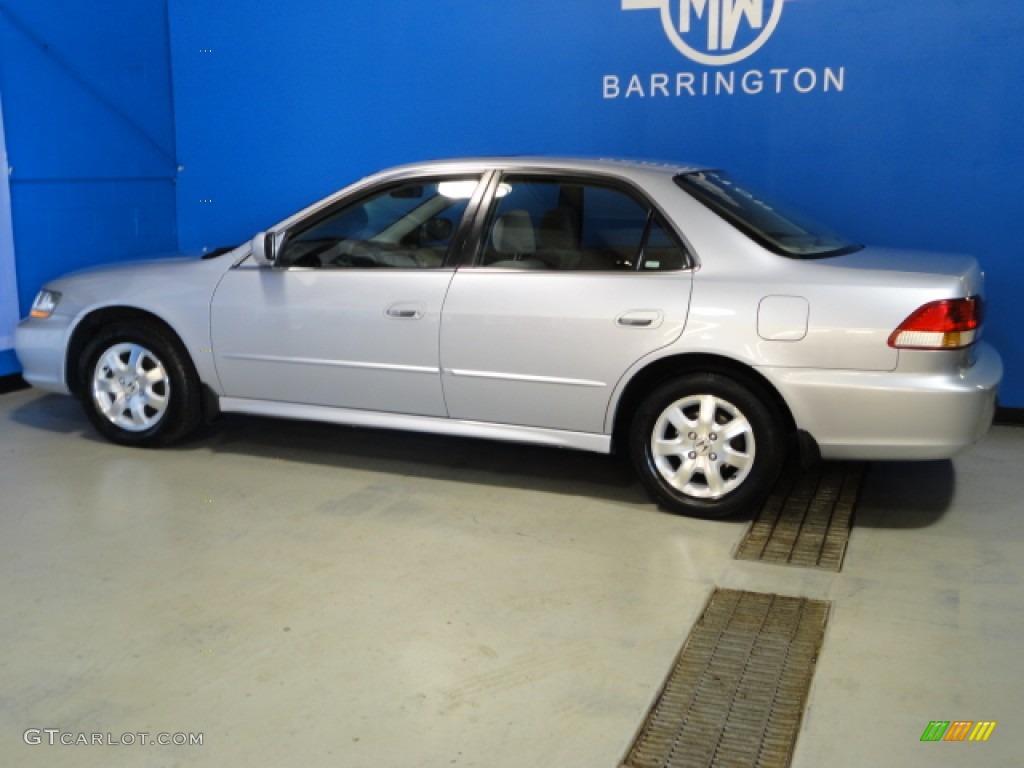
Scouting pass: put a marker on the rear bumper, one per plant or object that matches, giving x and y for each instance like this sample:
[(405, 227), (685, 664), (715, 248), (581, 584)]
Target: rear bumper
[(893, 415)]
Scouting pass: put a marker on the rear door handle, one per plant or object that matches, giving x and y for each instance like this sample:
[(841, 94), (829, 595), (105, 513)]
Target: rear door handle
[(405, 310), (640, 318)]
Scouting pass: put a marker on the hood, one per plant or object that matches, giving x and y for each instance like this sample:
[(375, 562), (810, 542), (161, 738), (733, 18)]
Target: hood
[(154, 263), (146, 284)]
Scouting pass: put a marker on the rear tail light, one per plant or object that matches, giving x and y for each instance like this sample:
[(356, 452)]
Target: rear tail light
[(949, 324)]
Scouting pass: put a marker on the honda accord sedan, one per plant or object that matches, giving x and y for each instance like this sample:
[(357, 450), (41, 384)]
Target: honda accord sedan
[(664, 310)]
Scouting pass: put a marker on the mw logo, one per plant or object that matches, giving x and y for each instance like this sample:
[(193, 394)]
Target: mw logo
[(706, 31)]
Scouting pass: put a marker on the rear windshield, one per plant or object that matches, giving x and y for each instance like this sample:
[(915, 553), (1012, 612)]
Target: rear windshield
[(775, 226)]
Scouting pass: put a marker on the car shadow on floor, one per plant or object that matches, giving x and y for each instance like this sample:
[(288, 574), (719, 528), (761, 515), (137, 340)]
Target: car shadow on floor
[(906, 494), (389, 452), (416, 454), (894, 494), (54, 413)]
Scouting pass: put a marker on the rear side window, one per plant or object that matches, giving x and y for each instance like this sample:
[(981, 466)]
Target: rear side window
[(774, 225), (545, 222)]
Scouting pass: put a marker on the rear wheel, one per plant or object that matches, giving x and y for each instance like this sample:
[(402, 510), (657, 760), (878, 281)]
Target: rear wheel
[(137, 387), (706, 445)]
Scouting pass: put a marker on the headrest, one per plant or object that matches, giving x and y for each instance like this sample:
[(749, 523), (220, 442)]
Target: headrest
[(513, 233)]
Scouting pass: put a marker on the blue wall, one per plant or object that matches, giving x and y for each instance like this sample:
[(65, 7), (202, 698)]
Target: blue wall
[(919, 148), (89, 125), (908, 133), (9, 315)]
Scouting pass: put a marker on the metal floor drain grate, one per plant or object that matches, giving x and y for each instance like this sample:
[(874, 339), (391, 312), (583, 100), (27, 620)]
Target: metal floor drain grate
[(806, 520), (737, 691)]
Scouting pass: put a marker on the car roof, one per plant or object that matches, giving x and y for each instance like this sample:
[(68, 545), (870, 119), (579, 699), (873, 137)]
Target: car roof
[(549, 162)]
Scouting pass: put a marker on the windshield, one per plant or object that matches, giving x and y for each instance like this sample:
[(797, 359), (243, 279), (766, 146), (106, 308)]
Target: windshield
[(776, 227)]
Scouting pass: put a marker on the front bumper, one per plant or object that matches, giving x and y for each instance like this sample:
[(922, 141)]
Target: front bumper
[(41, 346), (893, 415)]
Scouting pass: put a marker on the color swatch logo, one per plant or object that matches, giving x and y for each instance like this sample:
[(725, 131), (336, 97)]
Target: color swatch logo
[(958, 730)]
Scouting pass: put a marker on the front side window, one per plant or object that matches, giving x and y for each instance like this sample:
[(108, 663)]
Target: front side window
[(773, 225), (570, 224), (408, 226)]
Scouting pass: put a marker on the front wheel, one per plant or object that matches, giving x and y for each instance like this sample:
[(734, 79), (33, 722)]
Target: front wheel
[(137, 387), (706, 445)]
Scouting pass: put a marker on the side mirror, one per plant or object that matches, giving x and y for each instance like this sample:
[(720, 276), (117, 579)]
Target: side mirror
[(264, 249)]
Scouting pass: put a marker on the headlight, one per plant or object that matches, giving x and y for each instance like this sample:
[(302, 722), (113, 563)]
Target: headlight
[(45, 303)]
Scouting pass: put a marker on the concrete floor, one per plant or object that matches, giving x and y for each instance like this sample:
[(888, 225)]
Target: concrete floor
[(310, 595)]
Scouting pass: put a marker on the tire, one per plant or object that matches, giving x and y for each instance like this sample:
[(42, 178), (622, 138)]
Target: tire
[(137, 386), (705, 445)]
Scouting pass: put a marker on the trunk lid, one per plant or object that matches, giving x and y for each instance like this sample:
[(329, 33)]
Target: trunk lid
[(964, 269)]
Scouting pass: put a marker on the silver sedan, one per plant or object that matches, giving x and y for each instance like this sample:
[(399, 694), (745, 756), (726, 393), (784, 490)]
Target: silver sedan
[(663, 310)]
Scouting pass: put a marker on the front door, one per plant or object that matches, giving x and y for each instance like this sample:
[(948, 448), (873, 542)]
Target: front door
[(350, 314)]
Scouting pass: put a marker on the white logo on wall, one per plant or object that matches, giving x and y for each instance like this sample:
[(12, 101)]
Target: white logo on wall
[(706, 31), (717, 34)]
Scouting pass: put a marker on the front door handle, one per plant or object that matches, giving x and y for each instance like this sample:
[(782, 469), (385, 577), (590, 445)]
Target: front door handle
[(640, 318), (405, 310)]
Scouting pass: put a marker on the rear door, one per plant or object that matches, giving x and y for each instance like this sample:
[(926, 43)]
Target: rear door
[(573, 281)]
